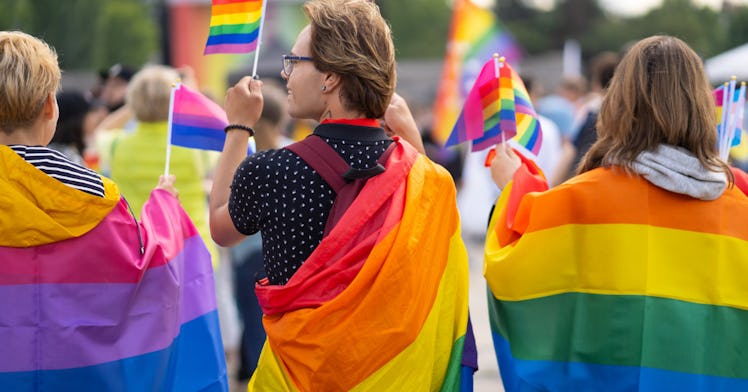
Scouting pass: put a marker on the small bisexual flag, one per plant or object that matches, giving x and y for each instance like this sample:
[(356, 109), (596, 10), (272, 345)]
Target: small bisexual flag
[(497, 108), (234, 26), (196, 121)]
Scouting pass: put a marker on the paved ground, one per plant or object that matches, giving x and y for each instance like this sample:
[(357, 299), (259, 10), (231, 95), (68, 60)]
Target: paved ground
[(487, 378)]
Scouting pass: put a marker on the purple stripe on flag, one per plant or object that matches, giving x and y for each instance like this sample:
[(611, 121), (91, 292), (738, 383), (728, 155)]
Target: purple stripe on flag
[(84, 324), (231, 48), (192, 120)]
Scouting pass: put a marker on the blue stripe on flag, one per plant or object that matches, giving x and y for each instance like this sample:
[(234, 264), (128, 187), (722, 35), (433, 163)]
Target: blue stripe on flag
[(232, 38), (520, 375), (195, 137), (193, 362)]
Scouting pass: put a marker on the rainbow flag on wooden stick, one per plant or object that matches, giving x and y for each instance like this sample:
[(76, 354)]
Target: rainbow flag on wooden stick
[(235, 26)]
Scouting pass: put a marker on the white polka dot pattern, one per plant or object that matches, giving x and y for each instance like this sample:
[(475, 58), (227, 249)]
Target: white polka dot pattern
[(277, 193)]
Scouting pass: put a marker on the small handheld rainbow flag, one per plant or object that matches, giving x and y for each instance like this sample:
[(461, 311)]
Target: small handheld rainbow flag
[(498, 107), (235, 26)]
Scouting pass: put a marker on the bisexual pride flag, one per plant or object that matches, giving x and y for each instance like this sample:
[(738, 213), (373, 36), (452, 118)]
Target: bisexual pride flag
[(235, 26), (92, 300), (497, 108), (196, 121)]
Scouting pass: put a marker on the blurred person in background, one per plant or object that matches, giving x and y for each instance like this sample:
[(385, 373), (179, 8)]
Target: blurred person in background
[(139, 155), (79, 117)]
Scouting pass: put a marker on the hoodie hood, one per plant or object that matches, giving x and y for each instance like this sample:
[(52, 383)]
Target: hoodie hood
[(677, 170), (36, 209)]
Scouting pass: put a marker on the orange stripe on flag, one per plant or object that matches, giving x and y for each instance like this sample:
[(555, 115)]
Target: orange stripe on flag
[(628, 200), (236, 8)]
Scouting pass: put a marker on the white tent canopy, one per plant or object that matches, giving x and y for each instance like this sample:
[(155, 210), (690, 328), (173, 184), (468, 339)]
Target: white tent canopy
[(723, 66)]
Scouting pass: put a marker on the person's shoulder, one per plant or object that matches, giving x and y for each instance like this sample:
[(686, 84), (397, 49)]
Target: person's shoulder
[(269, 159)]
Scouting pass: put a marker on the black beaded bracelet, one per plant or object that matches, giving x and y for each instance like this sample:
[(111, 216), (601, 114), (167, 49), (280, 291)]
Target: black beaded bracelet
[(239, 126)]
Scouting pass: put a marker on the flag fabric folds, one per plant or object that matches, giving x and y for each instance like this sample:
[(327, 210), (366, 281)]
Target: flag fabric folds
[(498, 104), (197, 121), (94, 301), (475, 34), (626, 294), (234, 26), (382, 301)]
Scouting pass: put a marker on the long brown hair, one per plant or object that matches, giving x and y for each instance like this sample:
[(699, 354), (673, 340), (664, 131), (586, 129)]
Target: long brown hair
[(659, 94)]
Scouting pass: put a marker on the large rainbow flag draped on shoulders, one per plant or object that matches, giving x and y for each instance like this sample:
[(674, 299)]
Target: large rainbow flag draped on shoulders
[(92, 300), (607, 282), (381, 304)]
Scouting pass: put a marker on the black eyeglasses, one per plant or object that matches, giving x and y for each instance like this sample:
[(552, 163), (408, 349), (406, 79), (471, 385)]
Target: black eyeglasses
[(289, 61)]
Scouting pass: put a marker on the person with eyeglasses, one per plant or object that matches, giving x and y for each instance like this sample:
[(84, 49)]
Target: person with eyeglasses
[(365, 274)]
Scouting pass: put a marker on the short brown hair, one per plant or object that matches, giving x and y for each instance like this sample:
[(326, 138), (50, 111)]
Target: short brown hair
[(350, 38), (29, 72), (659, 94), (149, 92)]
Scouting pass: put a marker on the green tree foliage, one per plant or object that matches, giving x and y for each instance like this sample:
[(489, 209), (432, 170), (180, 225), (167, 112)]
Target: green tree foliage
[(87, 34), (125, 33), (419, 27)]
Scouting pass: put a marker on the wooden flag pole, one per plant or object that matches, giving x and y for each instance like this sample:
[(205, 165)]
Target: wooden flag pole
[(170, 122)]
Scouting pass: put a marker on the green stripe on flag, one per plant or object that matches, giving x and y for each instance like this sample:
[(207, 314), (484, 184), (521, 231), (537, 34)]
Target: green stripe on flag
[(626, 330), (244, 28)]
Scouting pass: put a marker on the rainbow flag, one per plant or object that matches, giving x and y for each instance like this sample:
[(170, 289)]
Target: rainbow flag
[(196, 121), (624, 291), (475, 34), (234, 26), (498, 103), (93, 300), (381, 304)]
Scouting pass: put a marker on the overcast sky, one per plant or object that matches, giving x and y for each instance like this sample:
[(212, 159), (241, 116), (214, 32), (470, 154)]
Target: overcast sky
[(627, 7)]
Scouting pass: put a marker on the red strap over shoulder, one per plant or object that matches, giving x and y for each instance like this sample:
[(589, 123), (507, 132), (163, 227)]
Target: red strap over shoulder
[(346, 181)]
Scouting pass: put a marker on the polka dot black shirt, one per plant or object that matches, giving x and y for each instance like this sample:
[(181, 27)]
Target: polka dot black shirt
[(277, 193)]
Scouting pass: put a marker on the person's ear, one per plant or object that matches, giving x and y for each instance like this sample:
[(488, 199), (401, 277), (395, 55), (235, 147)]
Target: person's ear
[(49, 106), (331, 82)]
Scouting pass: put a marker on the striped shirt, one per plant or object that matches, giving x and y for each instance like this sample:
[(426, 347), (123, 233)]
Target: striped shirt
[(55, 165)]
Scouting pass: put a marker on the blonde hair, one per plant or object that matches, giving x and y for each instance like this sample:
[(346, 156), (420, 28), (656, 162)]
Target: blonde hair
[(149, 91), (29, 72), (659, 94), (350, 38)]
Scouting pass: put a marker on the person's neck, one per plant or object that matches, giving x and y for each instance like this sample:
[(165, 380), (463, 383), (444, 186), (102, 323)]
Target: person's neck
[(337, 111), (23, 136)]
